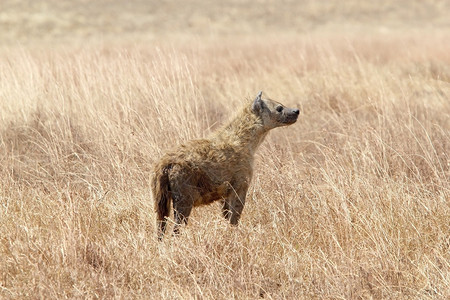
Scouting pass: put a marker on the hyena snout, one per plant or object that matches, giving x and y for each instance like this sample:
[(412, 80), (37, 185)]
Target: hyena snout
[(291, 115)]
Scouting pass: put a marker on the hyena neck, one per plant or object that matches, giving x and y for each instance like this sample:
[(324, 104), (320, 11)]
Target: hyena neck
[(245, 131)]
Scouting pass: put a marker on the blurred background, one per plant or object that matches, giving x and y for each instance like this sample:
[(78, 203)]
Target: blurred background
[(27, 21)]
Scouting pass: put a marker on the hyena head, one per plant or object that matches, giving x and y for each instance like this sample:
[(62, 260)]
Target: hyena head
[(273, 113)]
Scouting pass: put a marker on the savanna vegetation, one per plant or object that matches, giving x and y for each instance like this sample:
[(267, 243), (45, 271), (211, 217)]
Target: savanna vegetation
[(351, 202)]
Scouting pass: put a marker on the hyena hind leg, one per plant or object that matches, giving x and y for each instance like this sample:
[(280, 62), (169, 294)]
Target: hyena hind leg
[(181, 212), (183, 200), (183, 191)]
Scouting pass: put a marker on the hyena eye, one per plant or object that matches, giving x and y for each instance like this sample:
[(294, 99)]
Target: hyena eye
[(279, 108)]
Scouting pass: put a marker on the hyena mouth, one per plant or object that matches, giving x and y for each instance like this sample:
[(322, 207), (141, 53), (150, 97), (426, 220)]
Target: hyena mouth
[(291, 119)]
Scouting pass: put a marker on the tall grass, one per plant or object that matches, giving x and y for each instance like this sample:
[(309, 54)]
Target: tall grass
[(350, 202)]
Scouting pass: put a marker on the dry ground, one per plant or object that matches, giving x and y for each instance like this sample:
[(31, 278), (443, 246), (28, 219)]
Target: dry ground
[(351, 202)]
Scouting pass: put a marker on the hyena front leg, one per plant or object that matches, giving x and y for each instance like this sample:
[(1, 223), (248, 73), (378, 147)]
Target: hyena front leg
[(226, 212), (234, 204)]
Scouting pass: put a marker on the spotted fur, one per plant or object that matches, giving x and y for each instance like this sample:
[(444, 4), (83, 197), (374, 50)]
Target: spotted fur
[(218, 168)]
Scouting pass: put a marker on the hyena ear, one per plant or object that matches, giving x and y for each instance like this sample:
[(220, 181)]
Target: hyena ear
[(257, 104)]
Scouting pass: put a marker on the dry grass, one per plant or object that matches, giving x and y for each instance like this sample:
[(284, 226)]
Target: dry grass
[(351, 202)]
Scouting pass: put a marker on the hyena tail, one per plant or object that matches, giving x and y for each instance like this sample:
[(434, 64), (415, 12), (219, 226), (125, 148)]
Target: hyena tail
[(161, 196)]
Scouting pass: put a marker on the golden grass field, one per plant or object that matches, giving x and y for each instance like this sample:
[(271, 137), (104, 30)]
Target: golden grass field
[(351, 202)]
